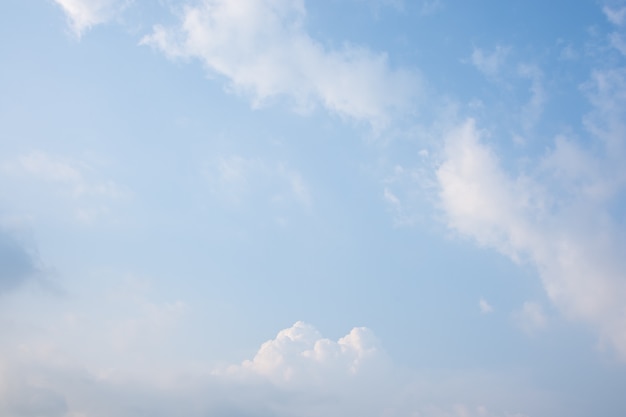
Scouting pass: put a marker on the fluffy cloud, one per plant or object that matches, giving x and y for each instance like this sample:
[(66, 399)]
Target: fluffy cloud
[(84, 14), (262, 47), (299, 355), (558, 217)]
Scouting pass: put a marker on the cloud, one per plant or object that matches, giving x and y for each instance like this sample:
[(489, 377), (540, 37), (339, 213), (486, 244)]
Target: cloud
[(490, 63), (531, 112), (531, 317), (484, 306), (66, 177), (615, 16), (557, 218), (84, 14), (299, 373), (263, 49), (236, 179), (300, 356), (70, 174), (17, 264)]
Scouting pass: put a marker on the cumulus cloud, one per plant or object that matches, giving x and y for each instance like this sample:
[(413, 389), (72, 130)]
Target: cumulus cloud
[(263, 49), (531, 317), (84, 14), (300, 355), (557, 218)]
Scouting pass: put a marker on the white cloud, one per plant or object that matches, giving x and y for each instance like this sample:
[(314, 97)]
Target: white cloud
[(65, 172), (615, 16), (531, 112), (484, 306), (531, 317), (262, 47), (299, 373), (490, 63), (84, 14), (68, 185), (300, 356), (236, 179), (557, 218)]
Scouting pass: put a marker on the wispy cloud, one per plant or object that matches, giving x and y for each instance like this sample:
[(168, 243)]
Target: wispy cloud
[(68, 178), (484, 306), (531, 317), (18, 265), (263, 49), (617, 16), (545, 218), (236, 179), (490, 63)]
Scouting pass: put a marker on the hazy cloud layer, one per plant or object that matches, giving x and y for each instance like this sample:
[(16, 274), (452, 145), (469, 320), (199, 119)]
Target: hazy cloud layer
[(298, 373), (17, 264)]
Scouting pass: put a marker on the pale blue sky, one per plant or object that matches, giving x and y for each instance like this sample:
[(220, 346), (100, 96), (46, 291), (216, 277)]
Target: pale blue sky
[(296, 208)]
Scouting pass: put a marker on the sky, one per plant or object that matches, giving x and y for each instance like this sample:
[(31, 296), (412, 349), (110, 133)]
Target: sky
[(259, 208)]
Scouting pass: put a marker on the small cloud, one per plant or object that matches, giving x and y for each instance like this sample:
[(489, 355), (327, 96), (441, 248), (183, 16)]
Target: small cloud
[(531, 317), (236, 179), (484, 306), (615, 16), (533, 109), (67, 173), (490, 63), (84, 14)]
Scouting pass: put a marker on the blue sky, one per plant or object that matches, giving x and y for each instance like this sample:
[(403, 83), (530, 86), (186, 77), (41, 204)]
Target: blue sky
[(294, 208)]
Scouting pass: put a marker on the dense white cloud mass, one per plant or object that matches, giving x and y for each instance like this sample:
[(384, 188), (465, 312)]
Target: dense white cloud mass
[(84, 14), (262, 47), (556, 216)]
